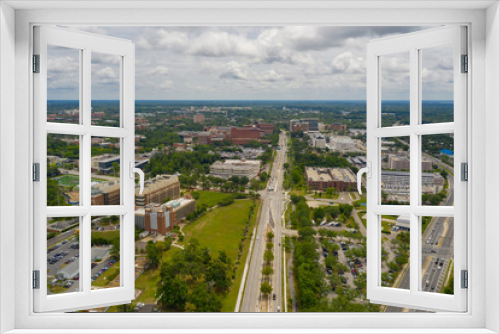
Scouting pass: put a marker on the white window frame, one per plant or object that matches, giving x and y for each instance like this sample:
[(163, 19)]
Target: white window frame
[(484, 50), (85, 44), (412, 44)]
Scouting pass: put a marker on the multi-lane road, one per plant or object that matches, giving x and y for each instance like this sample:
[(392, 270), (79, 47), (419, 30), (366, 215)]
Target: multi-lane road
[(437, 245), (271, 212)]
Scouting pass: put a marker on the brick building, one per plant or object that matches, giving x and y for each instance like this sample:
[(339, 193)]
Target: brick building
[(241, 136), (161, 218), (320, 178), (267, 128), (199, 118)]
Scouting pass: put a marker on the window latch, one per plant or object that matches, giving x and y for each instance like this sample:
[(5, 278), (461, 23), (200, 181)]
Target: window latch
[(368, 171), (139, 171)]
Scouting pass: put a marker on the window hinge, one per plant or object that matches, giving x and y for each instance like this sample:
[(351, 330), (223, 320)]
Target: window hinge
[(36, 279), (464, 171), (36, 172), (465, 279), (465, 64), (36, 63)]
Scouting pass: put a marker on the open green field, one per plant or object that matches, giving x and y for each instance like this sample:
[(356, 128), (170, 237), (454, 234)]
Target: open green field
[(326, 196), (108, 235), (72, 180), (210, 198), (229, 302), (221, 228)]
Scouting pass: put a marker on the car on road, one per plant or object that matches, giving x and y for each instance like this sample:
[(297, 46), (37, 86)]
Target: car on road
[(274, 296), (433, 251)]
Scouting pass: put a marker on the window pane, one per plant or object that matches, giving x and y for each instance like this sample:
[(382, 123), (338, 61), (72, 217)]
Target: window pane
[(437, 254), (105, 243), (106, 82), (395, 164), (395, 251), (395, 89), (63, 255), (437, 169), (105, 171), (437, 84), (63, 173), (63, 85)]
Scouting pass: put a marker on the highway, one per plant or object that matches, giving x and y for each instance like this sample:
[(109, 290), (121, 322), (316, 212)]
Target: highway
[(271, 212), (437, 243)]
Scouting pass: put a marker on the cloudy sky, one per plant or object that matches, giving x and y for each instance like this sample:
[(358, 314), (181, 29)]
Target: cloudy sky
[(249, 63)]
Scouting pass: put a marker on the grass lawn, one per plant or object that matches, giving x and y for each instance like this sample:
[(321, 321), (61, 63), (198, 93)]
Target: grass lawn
[(299, 192), (150, 279), (210, 198), (386, 226), (72, 180), (107, 276), (148, 282), (327, 196), (108, 235), (229, 301), (222, 229)]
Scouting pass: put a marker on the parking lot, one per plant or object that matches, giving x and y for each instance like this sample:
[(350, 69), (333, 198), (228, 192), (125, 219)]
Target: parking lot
[(64, 254)]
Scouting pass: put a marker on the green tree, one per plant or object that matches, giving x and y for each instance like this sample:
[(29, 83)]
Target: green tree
[(267, 270), (268, 256), (204, 299), (173, 292), (115, 250), (153, 254), (266, 288)]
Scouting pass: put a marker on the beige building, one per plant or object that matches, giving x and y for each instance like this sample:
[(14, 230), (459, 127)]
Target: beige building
[(158, 189), (230, 167), (402, 163)]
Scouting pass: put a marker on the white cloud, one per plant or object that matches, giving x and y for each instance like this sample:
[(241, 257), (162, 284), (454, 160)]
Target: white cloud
[(292, 62)]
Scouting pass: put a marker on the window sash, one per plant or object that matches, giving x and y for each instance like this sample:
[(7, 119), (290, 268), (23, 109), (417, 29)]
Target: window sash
[(86, 43), (450, 14), (413, 298)]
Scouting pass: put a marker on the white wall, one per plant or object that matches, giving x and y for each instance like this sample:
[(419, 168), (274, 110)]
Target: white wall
[(492, 167), (7, 159)]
